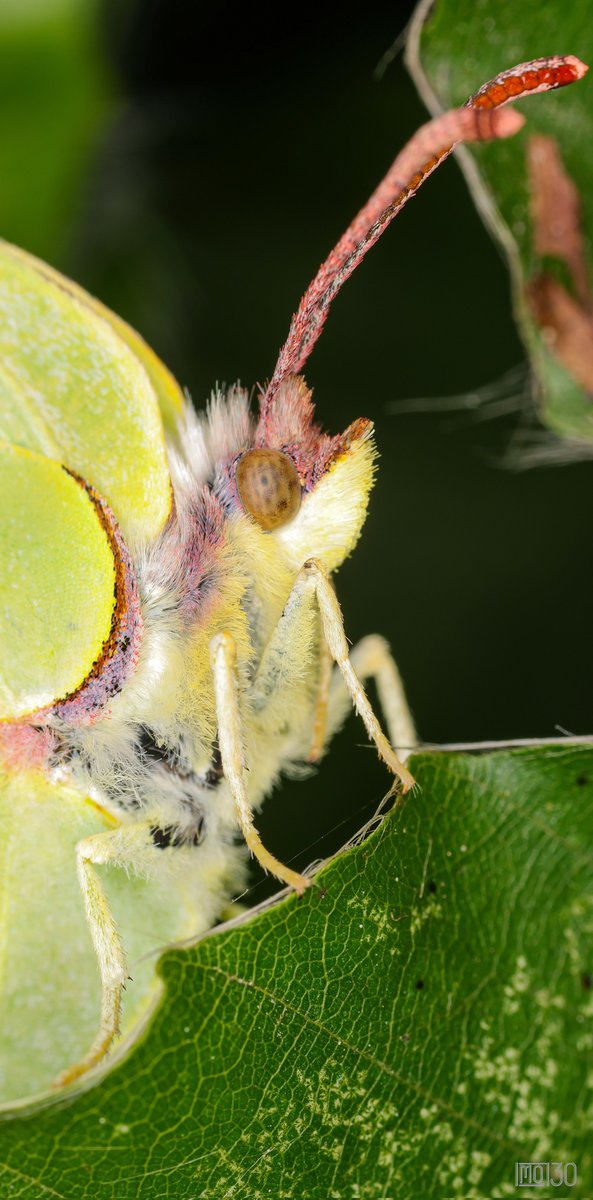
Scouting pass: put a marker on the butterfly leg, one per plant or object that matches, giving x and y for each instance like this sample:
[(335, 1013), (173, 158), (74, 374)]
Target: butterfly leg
[(333, 630), (230, 740), (312, 625), (372, 659), (321, 733), (124, 847)]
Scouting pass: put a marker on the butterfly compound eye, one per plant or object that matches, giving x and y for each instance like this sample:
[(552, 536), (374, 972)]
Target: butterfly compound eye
[(269, 487)]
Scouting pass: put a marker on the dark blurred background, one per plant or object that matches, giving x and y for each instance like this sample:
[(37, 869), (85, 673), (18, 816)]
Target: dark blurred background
[(191, 165)]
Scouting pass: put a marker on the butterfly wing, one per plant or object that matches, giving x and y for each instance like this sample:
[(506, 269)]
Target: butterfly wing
[(57, 582), (83, 406), (50, 994), (77, 385), (168, 392)]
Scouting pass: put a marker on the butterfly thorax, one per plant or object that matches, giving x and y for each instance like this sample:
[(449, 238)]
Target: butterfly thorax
[(151, 748)]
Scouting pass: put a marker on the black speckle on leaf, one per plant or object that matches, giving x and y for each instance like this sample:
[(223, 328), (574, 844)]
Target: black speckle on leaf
[(582, 780), (420, 984), (587, 980)]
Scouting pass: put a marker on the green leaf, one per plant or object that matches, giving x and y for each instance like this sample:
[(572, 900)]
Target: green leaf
[(55, 94), (456, 46), (412, 1027)]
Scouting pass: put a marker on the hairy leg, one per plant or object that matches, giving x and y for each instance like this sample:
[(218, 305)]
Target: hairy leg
[(372, 659), (230, 740), (312, 625), (333, 630), (124, 847)]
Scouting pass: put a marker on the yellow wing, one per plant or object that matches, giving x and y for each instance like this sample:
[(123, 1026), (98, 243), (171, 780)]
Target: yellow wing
[(169, 394), (57, 583), (78, 385), (50, 992)]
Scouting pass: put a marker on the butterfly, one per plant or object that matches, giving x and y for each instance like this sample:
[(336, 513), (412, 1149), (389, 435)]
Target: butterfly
[(171, 640)]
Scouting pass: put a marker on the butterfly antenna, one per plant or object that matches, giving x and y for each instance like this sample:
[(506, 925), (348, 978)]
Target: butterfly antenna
[(480, 119)]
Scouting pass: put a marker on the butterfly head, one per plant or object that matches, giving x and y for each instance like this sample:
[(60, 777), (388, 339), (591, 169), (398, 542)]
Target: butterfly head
[(308, 490)]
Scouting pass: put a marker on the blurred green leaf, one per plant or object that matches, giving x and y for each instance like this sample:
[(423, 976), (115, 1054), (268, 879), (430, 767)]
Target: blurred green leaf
[(415, 1025), (454, 47), (54, 93)]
